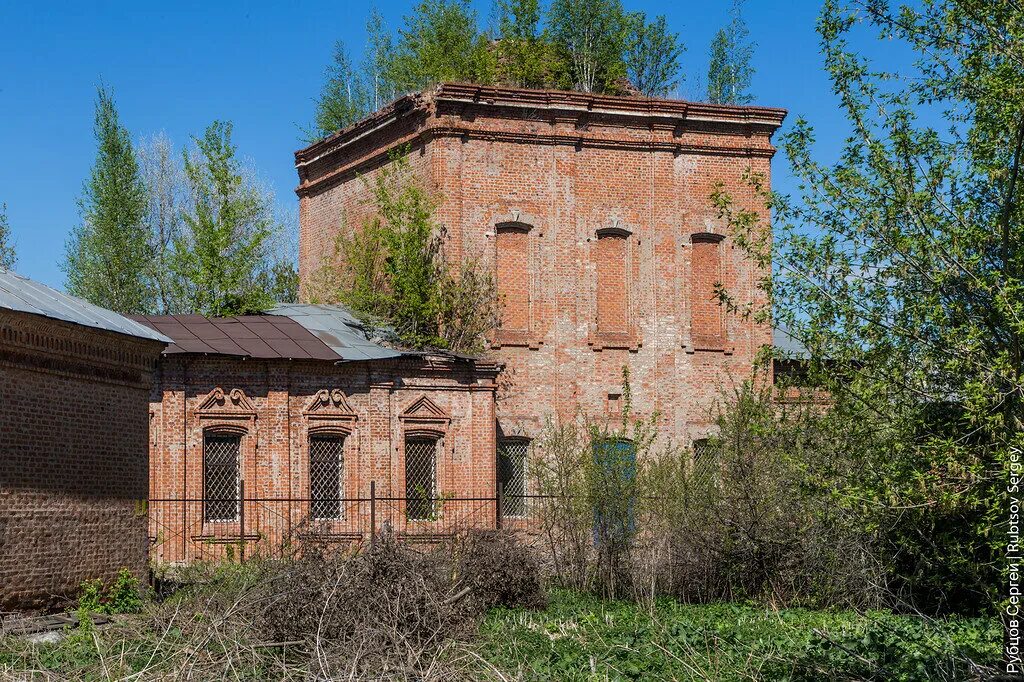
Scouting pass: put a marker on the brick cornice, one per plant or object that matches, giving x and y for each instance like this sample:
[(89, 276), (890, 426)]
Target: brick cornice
[(334, 159)]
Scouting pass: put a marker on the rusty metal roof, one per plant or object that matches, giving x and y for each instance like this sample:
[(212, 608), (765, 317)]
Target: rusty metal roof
[(249, 336), (27, 296)]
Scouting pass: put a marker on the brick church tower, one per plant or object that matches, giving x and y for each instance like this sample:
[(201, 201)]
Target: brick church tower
[(595, 213)]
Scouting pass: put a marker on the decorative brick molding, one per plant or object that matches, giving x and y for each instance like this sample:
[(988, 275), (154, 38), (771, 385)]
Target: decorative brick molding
[(424, 418)]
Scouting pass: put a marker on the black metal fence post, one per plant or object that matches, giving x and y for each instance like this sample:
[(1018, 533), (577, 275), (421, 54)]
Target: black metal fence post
[(373, 510), (241, 521), (498, 500)]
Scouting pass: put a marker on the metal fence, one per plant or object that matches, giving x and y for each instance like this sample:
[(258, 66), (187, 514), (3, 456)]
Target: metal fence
[(183, 531)]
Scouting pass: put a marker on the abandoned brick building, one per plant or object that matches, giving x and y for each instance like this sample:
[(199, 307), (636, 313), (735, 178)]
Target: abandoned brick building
[(595, 214), (74, 469), (272, 428)]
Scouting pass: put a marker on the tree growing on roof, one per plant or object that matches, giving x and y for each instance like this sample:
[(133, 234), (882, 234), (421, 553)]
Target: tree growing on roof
[(393, 271), (108, 255), (7, 255), (652, 55), (730, 70)]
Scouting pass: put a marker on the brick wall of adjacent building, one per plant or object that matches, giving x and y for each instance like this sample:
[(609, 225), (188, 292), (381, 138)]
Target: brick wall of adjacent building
[(616, 249), (73, 457), (276, 405)]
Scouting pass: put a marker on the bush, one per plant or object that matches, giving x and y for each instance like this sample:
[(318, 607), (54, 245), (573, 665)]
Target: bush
[(393, 611), (499, 571), (122, 595)]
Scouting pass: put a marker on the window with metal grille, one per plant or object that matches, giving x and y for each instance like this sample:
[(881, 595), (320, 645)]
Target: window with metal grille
[(420, 477), (220, 476), (512, 455), (705, 454), (326, 465)]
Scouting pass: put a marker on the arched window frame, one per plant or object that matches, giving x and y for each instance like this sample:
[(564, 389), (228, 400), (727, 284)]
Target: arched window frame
[(713, 340), (527, 336), (626, 337)]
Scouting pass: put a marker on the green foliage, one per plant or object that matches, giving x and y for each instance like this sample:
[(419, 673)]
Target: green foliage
[(589, 38), (122, 595), (7, 255), (652, 55), (439, 42), (583, 638), (591, 478), (108, 254), (730, 70), (900, 269), (524, 54), (217, 261), (588, 45), (343, 98), (393, 270)]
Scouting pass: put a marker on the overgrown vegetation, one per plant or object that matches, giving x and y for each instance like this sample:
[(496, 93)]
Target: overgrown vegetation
[(8, 256), (586, 45), (585, 638), (900, 269), (395, 273), (122, 595), (391, 612)]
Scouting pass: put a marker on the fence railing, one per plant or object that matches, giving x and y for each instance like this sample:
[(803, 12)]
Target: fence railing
[(187, 530)]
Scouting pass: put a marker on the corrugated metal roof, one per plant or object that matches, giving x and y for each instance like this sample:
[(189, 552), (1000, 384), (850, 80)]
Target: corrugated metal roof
[(249, 336), (24, 295), (337, 327)]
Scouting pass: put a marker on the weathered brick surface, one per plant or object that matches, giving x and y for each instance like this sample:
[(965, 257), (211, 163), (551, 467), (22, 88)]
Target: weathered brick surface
[(617, 225), (73, 456), (277, 405)]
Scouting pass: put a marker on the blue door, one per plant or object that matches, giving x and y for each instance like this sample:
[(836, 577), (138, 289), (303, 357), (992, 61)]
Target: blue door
[(615, 492)]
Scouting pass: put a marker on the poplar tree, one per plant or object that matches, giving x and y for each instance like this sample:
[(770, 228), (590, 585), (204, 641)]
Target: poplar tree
[(108, 254), (730, 71), (219, 261), (7, 255)]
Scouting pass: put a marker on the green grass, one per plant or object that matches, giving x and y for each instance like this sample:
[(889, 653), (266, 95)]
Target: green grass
[(584, 638), (577, 637)]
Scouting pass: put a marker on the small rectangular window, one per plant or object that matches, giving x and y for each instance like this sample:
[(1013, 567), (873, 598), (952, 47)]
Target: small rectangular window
[(220, 476), (512, 457), (420, 477), (705, 456), (326, 466)]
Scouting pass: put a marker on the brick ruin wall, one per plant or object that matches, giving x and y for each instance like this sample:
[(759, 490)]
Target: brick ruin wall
[(74, 470), (604, 241)]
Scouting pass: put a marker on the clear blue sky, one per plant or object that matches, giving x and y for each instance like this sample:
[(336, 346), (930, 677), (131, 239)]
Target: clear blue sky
[(177, 66)]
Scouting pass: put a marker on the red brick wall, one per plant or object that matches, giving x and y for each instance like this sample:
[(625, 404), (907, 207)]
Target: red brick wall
[(73, 457), (272, 406), (572, 166)]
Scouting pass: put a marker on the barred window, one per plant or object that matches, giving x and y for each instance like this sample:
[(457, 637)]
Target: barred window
[(420, 477), (704, 456), (512, 456), (221, 476), (326, 466)]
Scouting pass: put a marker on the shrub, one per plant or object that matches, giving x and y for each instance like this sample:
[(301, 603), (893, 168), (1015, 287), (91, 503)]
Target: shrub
[(122, 595), (499, 571)]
